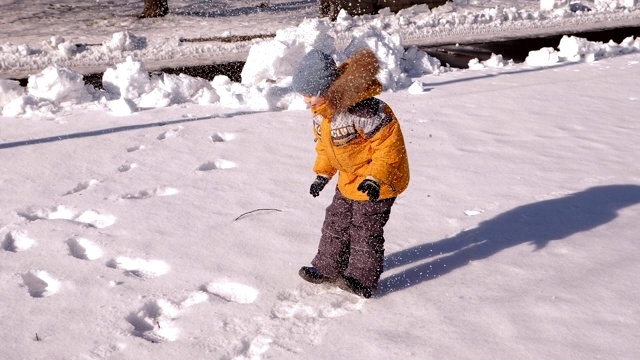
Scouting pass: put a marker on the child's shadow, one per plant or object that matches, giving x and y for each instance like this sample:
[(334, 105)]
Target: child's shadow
[(536, 224)]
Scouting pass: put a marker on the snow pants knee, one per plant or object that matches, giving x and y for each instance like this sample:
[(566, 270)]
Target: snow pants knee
[(352, 241)]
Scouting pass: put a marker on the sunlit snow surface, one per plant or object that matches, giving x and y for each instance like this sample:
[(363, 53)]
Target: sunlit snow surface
[(128, 216)]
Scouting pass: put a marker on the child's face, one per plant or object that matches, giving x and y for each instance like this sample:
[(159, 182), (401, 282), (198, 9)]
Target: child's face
[(313, 100)]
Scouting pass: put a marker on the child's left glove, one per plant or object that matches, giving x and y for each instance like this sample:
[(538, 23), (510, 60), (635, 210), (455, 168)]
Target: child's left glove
[(371, 188)]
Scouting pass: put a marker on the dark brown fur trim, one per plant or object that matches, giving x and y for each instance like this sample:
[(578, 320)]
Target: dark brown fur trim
[(358, 75)]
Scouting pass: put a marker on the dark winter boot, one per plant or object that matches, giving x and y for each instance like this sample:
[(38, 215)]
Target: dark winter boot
[(347, 283), (312, 275)]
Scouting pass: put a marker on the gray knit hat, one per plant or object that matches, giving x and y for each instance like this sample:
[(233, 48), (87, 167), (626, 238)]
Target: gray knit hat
[(314, 74)]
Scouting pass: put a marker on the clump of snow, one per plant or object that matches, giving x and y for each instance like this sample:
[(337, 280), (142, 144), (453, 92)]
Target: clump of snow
[(122, 107), (59, 85), (128, 80), (176, 89), (231, 94), (65, 48), (389, 50), (46, 92), (416, 63), (416, 88), (495, 61), (9, 91), (543, 57), (125, 41), (274, 59)]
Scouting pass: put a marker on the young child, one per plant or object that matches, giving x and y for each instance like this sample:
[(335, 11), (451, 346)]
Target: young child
[(359, 137)]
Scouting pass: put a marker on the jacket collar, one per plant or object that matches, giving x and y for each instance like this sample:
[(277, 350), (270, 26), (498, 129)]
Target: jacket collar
[(374, 88)]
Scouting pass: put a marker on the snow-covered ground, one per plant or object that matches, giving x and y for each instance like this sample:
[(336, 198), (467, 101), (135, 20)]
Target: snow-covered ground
[(166, 217)]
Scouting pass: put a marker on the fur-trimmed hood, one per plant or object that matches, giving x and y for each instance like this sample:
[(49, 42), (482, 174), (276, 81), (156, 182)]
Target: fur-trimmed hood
[(356, 82)]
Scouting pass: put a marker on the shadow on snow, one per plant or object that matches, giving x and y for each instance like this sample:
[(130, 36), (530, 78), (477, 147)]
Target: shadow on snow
[(536, 224), (114, 130)]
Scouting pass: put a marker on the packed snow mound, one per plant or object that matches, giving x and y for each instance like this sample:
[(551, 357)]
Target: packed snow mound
[(58, 85), (275, 60), (128, 80), (573, 48), (125, 41)]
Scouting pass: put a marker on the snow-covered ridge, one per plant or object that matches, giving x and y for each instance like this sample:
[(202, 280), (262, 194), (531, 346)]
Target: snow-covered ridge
[(266, 76)]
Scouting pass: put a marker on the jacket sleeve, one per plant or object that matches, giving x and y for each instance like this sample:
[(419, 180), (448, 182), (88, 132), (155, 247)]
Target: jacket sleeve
[(388, 150), (322, 165)]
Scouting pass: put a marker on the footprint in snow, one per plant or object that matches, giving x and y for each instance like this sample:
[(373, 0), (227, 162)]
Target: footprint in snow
[(83, 249), (17, 240), (84, 185), (155, 320), (169, 133), (299, 316), (253, 347), (127, 167), (233, 292), (141, 268), (145, 194), (107, 350), (135, 148), (222, 137), (60, 212), (216, 164), (318, 302), (40, 283)]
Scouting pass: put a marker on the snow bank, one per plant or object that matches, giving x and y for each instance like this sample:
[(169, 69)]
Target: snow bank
[(266, 77), (274, 60), (46, 92), (573, 48), (615, 4)]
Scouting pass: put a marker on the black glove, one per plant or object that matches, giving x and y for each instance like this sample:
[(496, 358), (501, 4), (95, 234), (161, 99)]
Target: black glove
[(371, 188), (318, 184)]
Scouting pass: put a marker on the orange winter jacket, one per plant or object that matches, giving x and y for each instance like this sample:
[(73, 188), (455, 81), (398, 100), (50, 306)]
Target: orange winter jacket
[(357, 134)]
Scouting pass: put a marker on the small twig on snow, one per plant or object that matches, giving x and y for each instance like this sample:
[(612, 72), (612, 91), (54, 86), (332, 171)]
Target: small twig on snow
[(37, 337), (252, 211)]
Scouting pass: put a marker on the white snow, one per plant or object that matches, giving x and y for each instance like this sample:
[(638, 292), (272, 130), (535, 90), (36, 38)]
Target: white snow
[(166, 216)]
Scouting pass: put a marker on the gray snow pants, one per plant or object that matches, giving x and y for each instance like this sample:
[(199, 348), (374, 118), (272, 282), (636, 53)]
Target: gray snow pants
[(352, 241)]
